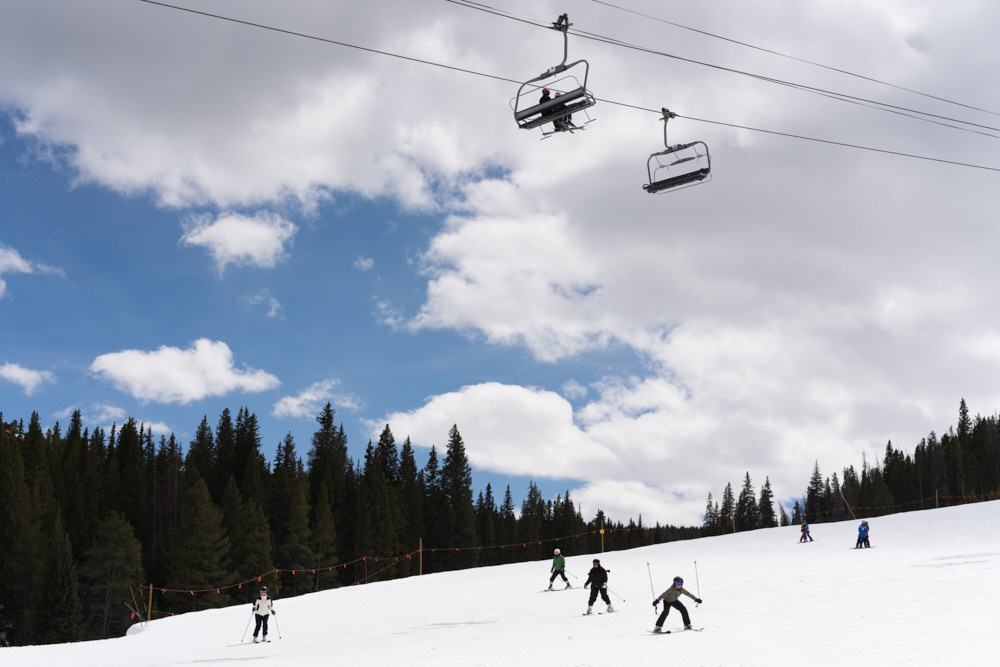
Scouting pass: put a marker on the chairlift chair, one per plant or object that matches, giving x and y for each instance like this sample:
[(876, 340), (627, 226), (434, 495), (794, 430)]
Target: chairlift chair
[(571, 95), (679, 166)]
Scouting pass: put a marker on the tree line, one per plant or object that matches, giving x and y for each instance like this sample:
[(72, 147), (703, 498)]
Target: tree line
[(91, 520), (961, 466)]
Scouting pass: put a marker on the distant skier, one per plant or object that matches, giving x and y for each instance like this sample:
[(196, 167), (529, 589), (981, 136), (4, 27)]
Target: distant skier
[(262, 608), (806, 537), (558, 569), (599, 578), (862, 536), (670, 599)]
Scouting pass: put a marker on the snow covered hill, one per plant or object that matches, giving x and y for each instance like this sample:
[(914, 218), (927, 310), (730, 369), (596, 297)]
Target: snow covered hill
[(925, 594)]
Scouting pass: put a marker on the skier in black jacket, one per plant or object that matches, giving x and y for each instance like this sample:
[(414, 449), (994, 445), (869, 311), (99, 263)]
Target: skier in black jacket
[(599, 578)]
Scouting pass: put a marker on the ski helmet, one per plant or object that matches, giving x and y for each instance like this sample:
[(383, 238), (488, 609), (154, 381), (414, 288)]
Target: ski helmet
[(678, 581), (557, 552), (263, 589)]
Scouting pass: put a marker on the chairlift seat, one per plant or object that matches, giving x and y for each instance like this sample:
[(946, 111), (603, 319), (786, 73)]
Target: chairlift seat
[(676, 181)]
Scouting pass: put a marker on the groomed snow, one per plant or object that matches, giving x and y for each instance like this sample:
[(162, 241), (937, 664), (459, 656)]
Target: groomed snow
[(925, 594)]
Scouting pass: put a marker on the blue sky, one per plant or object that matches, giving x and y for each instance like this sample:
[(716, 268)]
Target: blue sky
[(197, 214)]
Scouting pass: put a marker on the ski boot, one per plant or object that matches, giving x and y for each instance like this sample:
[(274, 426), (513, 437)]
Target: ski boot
[(569, 585), (611, 609), (549, 588), (590, 610)]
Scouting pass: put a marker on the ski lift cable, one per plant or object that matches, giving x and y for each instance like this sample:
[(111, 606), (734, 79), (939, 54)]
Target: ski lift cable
[(874, 104), (515, 81), (796, 58)]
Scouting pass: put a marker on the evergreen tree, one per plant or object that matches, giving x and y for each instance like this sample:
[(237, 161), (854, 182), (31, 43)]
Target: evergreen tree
[(18, 543), (378, 515), (328, 463), (783, 520), (166, 505), (746, 506), (200, 552), (507, 528), (728, 510), (765, 508), (388, 456), (60, 616), (711, 521), (486, 517), (436, 513), (531, 523), (251, 467), (456, 477), (110, 566), (294, 552), (226, 459), (324, 542), (201, 454), (411, 494), (249, 536), (286, 468), (814, 509)]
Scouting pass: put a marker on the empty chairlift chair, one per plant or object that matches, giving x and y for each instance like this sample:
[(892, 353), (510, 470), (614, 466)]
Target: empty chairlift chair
[(559, 93), (679, 166)]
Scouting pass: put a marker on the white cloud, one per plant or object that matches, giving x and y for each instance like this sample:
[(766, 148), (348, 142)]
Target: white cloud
[(28, 379), (389, 314), (810, 302), (173, 375), (11, 262), (260, 241), (542, 440), (573, 389), (364, 263), (309, 401), (274, 307)]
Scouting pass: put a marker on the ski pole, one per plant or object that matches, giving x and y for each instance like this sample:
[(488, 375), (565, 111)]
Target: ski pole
[(651, 589), (697, 583), (276, 624), (247, 628), (616, 595)]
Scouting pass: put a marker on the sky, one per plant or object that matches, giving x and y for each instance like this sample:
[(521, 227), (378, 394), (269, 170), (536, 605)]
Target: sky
[(919, 596), (199, 214)]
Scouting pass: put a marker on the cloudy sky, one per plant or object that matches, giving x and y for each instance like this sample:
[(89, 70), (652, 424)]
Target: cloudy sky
[(197, 213)]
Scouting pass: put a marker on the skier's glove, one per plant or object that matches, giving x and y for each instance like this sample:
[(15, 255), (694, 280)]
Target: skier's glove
[(698, 600), (585, 585), (604, 585), (274, 613), (656, 602)]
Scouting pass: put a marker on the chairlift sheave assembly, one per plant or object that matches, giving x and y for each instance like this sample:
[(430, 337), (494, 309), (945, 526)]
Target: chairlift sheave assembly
[(679, 166), (561, 94)]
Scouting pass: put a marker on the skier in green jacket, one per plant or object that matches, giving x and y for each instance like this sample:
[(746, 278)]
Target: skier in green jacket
[(558, 569)]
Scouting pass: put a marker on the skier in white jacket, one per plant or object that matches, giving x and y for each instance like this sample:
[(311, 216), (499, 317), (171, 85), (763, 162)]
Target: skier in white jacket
[(262, 609)]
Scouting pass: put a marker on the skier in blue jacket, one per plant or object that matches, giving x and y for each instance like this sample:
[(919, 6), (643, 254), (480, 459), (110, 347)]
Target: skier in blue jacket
[(862, 536)]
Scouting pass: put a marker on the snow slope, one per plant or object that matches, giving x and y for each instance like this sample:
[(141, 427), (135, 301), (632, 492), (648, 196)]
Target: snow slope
[(925, 594)]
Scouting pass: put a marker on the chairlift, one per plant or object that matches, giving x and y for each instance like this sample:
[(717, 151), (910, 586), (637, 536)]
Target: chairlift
[(559, 96), (679, 166)]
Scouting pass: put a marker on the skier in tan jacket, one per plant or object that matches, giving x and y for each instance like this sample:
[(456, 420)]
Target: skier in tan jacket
[(671, 598)]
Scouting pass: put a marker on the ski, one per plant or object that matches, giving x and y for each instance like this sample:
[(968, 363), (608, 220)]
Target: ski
[(674, 632), (556, 590)]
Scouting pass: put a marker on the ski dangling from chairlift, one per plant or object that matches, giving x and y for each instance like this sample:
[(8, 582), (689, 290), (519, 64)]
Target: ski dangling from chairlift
[(679, 166), (560, 94)]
